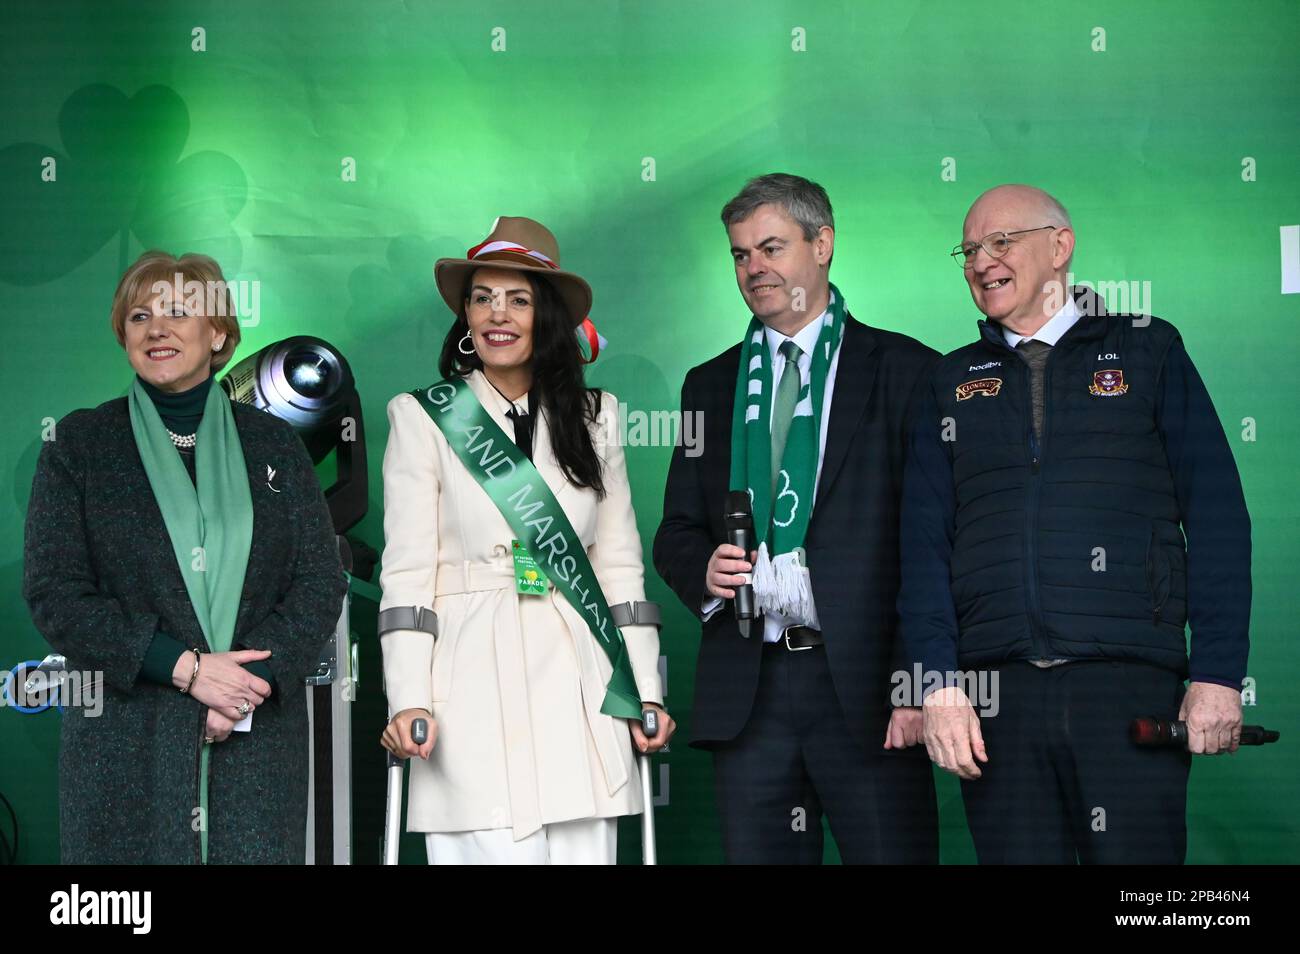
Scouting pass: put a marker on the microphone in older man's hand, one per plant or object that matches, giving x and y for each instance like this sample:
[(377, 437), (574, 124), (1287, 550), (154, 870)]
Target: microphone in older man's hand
[(1154, 732), (739, 522)]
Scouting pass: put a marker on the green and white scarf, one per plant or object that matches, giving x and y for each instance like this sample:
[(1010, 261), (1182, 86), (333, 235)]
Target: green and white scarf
[(781, 581), (211, 526)]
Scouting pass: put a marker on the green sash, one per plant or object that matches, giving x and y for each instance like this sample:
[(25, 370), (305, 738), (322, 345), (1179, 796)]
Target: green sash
[(211, 527), (537, 520)]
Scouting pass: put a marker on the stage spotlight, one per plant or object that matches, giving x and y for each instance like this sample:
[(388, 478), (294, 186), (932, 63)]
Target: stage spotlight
[(307, 382)]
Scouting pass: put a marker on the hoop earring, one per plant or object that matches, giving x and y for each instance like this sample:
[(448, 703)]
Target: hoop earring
[(460, 345)]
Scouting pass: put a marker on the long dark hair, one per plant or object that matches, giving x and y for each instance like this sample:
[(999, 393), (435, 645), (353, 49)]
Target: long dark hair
[(569, 404)]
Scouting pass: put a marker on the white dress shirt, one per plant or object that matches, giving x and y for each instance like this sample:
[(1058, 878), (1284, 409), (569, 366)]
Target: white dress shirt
[(1050, 333), (806, 339)]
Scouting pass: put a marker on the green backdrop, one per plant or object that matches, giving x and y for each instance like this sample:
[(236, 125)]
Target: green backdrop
[(1170, 131)]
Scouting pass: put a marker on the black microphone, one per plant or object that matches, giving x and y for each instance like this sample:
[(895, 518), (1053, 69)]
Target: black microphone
[(739, 521), (1153, 732)]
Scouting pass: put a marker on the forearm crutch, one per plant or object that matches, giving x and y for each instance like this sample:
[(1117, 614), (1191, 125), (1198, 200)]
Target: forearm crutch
[(398, 618), (393, 811), (650, 726)]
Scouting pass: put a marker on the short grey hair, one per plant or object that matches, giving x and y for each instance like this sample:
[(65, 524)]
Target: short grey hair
[(804, 201), (1056, 214)]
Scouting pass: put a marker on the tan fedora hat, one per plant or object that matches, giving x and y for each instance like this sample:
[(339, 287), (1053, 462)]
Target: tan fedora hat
[(518, 243)]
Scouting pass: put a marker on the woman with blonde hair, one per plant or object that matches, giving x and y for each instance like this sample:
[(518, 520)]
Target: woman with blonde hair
[(141, 566)]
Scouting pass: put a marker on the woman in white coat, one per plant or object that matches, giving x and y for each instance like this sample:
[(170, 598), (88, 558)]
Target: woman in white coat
[(521, 764)]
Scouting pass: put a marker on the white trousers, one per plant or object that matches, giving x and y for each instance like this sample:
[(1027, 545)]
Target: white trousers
[(584, 841)]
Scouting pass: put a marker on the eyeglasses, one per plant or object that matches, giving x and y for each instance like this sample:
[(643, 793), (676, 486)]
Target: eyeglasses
[(996, 244)]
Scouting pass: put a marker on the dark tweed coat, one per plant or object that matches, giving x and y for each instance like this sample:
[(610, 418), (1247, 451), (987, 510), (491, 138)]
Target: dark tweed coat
[(100, 578)]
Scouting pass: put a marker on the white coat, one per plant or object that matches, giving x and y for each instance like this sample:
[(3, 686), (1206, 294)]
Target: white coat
[(514, 682)]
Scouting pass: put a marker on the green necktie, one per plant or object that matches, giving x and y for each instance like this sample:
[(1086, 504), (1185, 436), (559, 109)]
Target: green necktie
[(787, 396)]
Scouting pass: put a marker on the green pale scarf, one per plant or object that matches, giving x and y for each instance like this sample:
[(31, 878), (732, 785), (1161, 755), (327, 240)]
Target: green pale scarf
[(781, 516), (211, 528)]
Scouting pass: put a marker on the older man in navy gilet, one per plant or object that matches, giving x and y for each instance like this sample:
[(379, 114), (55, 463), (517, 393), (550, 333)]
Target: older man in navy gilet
[(1070, 505)]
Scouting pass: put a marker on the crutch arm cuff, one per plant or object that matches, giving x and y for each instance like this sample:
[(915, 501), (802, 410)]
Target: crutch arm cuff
[(408, 617), (638, 613)]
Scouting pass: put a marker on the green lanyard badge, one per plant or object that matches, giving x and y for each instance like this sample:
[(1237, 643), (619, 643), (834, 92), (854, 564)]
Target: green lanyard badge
[(529, 578)]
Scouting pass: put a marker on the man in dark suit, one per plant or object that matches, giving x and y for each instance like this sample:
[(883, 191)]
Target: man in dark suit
[(810, 406)]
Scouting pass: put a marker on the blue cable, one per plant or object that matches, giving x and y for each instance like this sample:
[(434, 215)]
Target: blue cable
[(8, 685)]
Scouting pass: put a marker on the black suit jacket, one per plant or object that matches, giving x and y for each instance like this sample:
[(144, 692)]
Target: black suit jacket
[(852, 539)]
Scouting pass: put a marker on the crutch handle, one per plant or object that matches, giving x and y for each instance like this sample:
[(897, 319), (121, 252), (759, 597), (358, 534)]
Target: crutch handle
[(393, 809), (649, 854)]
